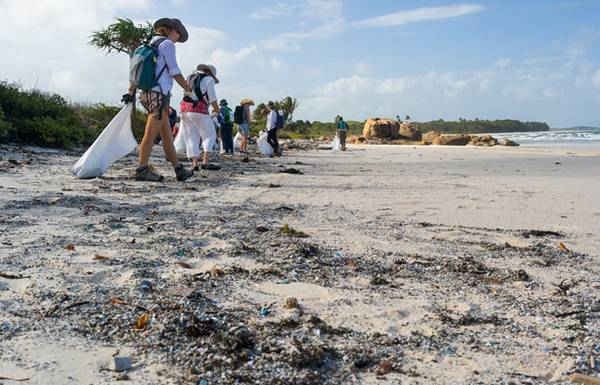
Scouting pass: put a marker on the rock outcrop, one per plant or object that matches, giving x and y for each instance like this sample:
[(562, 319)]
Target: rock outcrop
[(409, 131), (484, 140), (508, 143), (452, 140), (429, 137), (381, 128)]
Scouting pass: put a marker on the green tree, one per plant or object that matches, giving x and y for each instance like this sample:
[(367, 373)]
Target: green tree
[(123, 36), (289, 105), (260, 112)]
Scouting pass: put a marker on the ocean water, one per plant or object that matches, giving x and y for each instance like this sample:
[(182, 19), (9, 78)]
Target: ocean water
[(588, 138)]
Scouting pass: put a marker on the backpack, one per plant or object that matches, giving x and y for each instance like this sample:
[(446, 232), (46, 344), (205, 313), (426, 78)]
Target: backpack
[(280, 121), (238, 115), (142, 66), (225, 115), (194, 82)]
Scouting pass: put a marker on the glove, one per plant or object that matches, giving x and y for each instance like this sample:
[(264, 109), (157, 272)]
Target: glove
[(127, 98)]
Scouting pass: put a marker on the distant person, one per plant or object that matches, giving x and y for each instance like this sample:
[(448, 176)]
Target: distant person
[(226, 120), (342, 132), (273, 123), (243, 117), (156, 100), (196, 122)]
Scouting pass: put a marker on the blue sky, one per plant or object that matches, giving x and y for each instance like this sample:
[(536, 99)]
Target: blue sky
[(529, 60)]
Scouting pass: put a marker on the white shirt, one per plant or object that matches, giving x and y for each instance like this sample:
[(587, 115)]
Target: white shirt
[(272, 120), (166, 56), (207, 86)]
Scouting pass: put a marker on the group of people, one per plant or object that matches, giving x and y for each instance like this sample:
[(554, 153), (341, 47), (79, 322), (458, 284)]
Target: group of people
[(202, 115)]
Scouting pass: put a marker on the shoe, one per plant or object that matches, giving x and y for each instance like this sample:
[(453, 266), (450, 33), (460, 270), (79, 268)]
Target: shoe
[(211, 166), (147, 174), (196, 168), (181, 173)]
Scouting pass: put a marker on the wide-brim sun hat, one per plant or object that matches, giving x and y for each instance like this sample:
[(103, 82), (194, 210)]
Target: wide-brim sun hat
[(175, 24), (208, 69), (247, 101)]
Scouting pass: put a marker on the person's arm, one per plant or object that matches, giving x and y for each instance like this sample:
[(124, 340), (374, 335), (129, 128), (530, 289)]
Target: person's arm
[(182, 82), (168, 50), (211, 95), (215, 107)]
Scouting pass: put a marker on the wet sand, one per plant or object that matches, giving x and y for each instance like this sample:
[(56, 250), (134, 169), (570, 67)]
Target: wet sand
[(412, 265)]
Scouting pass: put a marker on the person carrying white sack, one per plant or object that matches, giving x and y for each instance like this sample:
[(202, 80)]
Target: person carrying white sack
[(196, 122)]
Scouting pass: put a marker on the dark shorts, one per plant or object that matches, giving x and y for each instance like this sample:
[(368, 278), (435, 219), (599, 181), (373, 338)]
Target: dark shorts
[(154, 101)]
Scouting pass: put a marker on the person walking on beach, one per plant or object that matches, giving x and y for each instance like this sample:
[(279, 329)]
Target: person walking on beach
[(342, 132), (226, 120), (243, 117), (156, 100), (272, 126), (196, 122)]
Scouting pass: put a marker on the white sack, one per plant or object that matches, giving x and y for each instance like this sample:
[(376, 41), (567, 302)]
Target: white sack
[(263, 145), (336, 145), (179, 141), (112, 144), (237, 142)]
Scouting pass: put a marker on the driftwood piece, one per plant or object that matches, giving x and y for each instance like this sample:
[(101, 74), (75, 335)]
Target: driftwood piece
[(13, 276)]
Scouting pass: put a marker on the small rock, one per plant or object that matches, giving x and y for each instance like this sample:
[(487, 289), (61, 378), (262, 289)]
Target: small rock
[(291, 303), (384, 368), (146, 286), (122, 364)]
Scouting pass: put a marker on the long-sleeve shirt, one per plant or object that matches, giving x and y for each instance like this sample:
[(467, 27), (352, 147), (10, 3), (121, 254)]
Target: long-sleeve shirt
[(272, 120), (168, 58)]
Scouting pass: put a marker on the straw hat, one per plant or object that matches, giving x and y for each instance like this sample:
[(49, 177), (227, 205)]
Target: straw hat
[(247, 101), (208, 69), (175, 24)]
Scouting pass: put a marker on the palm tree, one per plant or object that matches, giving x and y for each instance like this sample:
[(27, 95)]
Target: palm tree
[(289, 105), (124, 36)]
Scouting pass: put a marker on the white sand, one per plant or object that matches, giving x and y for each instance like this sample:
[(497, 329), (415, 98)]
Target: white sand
[(369, 198)]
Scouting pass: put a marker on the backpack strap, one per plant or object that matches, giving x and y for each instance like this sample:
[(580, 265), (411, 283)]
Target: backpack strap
[(197, 80), (155, 46)]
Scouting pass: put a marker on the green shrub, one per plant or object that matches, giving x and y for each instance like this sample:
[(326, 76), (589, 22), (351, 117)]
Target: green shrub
[(36, 118)]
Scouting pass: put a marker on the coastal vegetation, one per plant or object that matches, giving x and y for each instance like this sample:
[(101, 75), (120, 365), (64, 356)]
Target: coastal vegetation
[(33, 117)]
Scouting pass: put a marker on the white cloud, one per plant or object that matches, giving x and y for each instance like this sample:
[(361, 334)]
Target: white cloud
[(521, 91), (309, 9), (277, 10), (596, 79), (291, 41), (420, 14)]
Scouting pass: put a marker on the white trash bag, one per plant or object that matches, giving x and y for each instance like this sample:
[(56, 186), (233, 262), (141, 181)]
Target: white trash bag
[(112, 144), (179, 141), (336, 145), (263, 145), (237, 142)]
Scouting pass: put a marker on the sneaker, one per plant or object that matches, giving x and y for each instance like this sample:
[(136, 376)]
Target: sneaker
[(182, 174), (147, 174)]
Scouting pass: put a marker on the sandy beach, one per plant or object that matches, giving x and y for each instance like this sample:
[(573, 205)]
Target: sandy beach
[(409, 265)]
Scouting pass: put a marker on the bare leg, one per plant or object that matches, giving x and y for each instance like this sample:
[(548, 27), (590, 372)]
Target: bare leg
[(205, 158), (153, 129), (167, 140)]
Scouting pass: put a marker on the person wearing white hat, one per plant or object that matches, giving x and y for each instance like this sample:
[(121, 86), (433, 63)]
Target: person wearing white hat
[(196, 122)]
